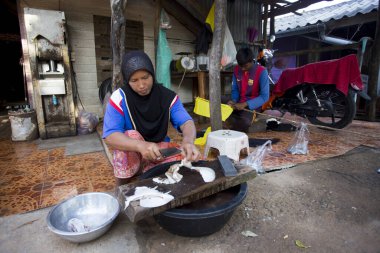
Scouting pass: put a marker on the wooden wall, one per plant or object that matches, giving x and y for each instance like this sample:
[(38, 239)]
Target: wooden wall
[(102, 28), (181, 40), (79, 15)]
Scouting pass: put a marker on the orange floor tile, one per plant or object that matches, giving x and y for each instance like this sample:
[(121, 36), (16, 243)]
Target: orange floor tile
[(33, 178)]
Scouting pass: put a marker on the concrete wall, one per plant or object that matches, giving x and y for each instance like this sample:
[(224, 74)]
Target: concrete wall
[(81, 35)]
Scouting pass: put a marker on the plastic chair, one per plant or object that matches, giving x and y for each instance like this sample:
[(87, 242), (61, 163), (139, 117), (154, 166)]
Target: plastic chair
[(228, 142)]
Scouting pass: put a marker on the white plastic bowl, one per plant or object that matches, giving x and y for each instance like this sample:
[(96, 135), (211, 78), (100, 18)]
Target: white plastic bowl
[(96, 210)]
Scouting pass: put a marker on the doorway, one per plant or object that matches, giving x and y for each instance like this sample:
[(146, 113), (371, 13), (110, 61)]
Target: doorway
[(12, 88)]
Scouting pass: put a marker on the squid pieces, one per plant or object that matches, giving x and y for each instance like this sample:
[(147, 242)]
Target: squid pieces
[(173, 176)]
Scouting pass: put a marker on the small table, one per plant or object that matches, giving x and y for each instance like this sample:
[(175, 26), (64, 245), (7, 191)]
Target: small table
[(228, 142)]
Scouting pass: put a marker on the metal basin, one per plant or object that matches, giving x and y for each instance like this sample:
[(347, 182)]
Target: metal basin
[(95, 211)]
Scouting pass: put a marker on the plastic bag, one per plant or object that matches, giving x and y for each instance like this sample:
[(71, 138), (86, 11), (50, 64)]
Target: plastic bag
[(298, 145), (229, 50), (77, 225), (255, 159), (87, 122), (165, 20)]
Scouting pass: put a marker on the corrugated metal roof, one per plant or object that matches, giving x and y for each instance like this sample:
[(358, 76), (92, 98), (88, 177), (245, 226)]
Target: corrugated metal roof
[(240, 15), (333, 12)]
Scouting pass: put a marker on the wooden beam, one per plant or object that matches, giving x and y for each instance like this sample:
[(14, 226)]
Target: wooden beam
[(195, 9), (291, 7), (272, 30), (70, 107), (374, 72), (37, 98), (322, 49), (157, 23), (182, 15), (215, 66), (25, 55), (271, 1), (265, 25)]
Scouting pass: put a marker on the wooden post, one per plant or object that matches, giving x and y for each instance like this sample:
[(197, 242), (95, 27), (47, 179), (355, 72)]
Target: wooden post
[(117, 40), (35, 88), (69, 88), (265, 25), (214, 66), (374, 72), (25, 54), (271, 27), (201, 84), (157, 23)]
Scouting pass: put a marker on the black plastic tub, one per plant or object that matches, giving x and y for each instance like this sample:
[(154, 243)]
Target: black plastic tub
[(202, 217)]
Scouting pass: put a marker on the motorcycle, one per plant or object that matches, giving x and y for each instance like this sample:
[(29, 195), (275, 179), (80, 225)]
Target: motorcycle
[(323, 92)]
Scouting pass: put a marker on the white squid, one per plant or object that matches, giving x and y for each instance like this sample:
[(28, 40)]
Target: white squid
[(149, 197), (172, 175)]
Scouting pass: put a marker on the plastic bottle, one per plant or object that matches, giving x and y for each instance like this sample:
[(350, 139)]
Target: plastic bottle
[(55, 101)]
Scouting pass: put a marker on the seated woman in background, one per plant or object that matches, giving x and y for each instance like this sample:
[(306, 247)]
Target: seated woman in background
[(137, 117)]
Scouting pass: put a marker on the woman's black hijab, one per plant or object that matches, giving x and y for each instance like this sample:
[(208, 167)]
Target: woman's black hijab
[(150, 113)]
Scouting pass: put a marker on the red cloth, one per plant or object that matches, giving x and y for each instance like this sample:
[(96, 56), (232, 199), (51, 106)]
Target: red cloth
[(341, 72)]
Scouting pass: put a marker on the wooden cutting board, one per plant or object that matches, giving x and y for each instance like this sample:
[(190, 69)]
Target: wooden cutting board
[(189, 189)]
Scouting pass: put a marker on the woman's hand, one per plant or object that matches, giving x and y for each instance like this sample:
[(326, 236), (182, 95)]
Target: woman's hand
[(150, 151), (191, 152)]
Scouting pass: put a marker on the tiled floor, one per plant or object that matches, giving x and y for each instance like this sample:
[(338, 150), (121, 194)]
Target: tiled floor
[(31, 178)]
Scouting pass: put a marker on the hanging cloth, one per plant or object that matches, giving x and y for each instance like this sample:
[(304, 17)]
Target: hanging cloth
[(164, 57)]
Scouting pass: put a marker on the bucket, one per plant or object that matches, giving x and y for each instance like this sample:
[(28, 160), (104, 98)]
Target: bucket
[(202, 62), (24, 125)]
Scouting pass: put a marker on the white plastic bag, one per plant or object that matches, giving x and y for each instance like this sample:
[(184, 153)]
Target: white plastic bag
[(77, 225), (87, 122), (165, 20), (229, 50), (255, 159), (298, 146)]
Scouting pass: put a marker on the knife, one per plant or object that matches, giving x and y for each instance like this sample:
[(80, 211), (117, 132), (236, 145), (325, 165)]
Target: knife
[(168, 152)]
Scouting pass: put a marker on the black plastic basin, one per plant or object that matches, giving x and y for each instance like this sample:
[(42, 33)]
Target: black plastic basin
[(202, 217)]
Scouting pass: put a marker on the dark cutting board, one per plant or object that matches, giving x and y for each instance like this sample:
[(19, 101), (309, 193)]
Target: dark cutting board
[(189, 189)]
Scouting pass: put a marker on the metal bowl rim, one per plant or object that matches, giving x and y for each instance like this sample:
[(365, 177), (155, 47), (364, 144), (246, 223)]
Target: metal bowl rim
[(64, 233)]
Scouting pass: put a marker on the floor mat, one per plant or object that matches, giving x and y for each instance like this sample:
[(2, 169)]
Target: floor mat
[(75, 145), (254, 142)]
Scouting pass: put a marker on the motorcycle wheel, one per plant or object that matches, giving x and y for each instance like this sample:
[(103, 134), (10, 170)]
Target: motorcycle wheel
[(344, 107)]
